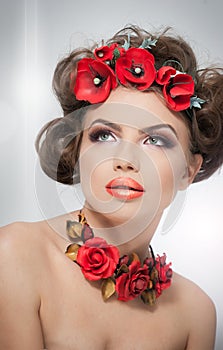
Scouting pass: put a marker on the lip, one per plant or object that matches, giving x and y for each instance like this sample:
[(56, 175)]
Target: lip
[(124, 188)]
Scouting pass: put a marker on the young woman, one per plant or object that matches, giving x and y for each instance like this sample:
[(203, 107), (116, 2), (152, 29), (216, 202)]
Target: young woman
[(140, 123)]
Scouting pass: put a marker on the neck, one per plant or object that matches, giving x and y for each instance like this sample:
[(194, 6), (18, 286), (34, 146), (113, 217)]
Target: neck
[(130, 236)]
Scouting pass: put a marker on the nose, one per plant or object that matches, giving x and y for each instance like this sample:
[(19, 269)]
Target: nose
[(124, 165), (127, 159)]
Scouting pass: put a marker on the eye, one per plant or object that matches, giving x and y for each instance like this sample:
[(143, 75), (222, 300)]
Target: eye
[(105, 136), (153, 140), (102, 135), (159, 141)]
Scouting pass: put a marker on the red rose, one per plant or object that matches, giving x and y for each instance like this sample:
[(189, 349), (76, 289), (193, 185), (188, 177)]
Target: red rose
[(136, 66), (94, 80), (97, 259), (132, 283), (106, 53)]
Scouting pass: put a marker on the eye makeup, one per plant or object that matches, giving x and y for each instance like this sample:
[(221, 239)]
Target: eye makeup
[(160, 135), (101, 134), (159, 141)]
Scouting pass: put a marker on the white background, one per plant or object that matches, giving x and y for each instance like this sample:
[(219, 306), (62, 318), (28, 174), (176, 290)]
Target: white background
[(33, 36)]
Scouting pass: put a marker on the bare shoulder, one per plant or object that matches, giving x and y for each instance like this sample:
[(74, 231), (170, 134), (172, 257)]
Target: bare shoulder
[(20, 286), (21, 245), (30, 244), (22, 235), (19, 229), (25, 246), (19, 237), (191, 292), (199, 312)]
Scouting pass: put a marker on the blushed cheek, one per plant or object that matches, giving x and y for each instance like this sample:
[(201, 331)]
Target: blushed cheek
[(173, 170), (95, 172)]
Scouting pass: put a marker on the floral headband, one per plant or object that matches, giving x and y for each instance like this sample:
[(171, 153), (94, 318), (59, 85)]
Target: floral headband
[(114, 64)]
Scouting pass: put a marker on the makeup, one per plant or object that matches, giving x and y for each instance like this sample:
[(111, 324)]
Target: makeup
[(124, 188)]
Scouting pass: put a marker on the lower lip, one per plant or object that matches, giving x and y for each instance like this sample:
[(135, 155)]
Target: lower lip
[(122, 193)]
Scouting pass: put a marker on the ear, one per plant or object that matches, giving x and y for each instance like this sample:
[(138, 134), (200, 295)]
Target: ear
[(194, 165)]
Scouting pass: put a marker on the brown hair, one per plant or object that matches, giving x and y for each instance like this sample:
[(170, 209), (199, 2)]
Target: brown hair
[(59, 150)]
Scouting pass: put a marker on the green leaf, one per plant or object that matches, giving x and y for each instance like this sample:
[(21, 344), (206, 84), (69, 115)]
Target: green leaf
[(147, 43), (196, 102), (116, 53), (126, 44)]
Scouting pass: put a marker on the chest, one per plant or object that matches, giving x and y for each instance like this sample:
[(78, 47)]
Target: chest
[(74, 316)]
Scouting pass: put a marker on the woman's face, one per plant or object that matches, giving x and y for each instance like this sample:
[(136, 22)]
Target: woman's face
[(134, 157)]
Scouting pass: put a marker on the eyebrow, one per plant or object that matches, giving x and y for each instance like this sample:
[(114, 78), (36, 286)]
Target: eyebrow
[(146, 130), (107, 123), (158, 127)]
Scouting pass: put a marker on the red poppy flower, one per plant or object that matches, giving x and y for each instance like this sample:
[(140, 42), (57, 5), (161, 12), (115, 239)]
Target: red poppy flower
[(106, 53), (136, 67), (164, 74), (94, 80), (179, 92), (97, 259), (132, 283), (177, 88)]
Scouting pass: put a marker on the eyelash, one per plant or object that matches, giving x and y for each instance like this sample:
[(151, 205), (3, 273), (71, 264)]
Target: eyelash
[(165, 142), (95, 135)]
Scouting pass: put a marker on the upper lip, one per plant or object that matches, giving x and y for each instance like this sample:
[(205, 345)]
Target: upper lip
[(125, 182)]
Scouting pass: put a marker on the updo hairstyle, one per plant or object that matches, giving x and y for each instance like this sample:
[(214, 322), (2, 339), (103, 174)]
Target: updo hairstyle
[(59, 150)]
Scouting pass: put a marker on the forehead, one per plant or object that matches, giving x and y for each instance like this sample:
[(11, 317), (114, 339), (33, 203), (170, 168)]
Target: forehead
[(136, 109)]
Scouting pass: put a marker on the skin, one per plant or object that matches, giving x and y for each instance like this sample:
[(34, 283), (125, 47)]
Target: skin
[(45, 301)]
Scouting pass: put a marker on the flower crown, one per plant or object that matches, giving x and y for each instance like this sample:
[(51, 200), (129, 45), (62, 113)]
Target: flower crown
[(114, 64)]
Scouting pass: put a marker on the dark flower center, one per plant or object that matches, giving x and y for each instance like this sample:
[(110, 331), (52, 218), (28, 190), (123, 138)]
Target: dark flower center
[(137, 70), (98, 80)]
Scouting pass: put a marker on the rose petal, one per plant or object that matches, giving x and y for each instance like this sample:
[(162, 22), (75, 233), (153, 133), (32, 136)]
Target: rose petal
[(96, 242)]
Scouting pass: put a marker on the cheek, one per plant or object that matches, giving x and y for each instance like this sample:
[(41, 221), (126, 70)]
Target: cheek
[(96, 177), (95, 172), (171, 169)]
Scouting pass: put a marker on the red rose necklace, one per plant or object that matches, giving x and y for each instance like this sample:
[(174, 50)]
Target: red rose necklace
[(124, 276)]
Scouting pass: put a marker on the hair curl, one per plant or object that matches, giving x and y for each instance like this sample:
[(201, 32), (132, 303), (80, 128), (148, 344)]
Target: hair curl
[(59, 151)]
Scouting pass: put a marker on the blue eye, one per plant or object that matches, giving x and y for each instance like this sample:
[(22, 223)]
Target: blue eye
[(102, 136), (159, 141), (105, 137), (153, 140)]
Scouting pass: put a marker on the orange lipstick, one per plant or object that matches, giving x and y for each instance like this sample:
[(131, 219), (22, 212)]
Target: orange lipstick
[(124, 188)]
